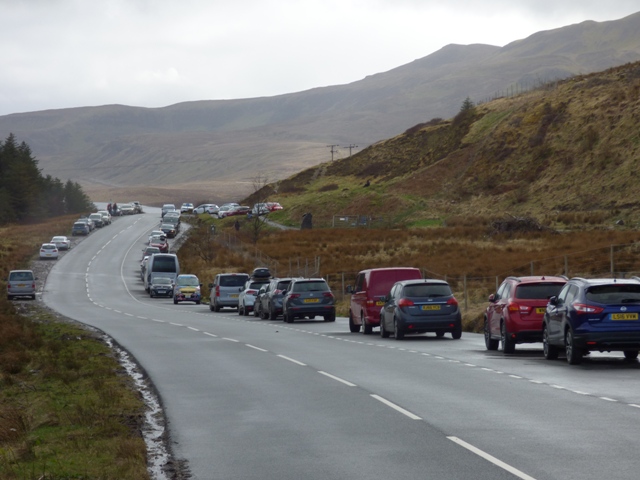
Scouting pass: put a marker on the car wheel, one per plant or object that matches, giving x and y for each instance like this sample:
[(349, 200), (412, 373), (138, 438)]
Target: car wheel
[(550, 351), (257, 311), (490, 343), (245, 312), (272, 313), (508, 345), (353, 328), (366, 329), (211, 306), (574, 354), (150, 295), (288, 318), (631, 354), (456, 333), (216, 307), (240, 310), (197, 302), (311, 317), (383, 331), (175, 301), (330, 318), (397, 331)]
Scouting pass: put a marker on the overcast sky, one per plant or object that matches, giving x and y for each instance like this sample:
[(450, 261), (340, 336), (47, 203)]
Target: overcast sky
[(154, 53)]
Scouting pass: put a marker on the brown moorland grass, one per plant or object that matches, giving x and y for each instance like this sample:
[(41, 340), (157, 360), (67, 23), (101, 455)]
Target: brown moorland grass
[(67, 408)]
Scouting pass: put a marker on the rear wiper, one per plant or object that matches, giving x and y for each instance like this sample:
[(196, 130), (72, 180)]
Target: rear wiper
[(630, 300)]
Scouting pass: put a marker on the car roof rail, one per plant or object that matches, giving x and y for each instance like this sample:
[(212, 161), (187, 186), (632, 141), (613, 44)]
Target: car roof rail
[(582, 279), (563, 276), (635, 278), (513, 277)]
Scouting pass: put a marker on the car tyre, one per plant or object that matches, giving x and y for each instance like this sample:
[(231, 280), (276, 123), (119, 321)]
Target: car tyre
[(508, 345), (245, 312), (366, 329), (197, 302), (273, 315), (397, 331), (353, 328), (240, 310), (550, 351), (216, 307), (631, 354), (490, 343), (574, 354), (288, 318), (383, 331), (330, 318), (151, 295), (456, 333), (175, 301)]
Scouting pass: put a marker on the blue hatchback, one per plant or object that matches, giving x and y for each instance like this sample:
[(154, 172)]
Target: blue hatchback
[(601, 314)]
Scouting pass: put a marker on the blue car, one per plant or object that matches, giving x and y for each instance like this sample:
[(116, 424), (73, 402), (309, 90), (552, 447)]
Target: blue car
[(601, 314)]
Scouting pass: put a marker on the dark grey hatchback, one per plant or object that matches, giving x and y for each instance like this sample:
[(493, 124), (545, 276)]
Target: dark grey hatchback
[(420, 306), (308, 297)]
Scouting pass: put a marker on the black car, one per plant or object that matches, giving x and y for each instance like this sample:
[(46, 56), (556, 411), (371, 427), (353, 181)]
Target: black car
[(308, 297), (598, 314), (169, 230), (420, 306)]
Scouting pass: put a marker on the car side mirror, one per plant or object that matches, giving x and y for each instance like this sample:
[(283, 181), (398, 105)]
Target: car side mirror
[(210, 286), (553, 301), (349, 289), (492, 297)]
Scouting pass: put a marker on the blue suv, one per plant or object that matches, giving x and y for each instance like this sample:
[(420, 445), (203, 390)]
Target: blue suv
[(600, 314)]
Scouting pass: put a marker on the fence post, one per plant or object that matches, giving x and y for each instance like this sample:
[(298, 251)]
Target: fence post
[(566, 266), (612, 266), (466, 306), (532, 269), (342, 286)]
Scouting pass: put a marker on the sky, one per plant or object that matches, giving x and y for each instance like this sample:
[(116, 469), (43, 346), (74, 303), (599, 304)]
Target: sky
[(154, 53)]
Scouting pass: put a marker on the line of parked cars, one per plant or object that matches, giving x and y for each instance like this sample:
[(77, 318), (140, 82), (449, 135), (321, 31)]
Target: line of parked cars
[(233, 209)]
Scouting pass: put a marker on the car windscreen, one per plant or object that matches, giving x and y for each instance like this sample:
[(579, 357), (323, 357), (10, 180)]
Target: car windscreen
[(164, 264), (426, 290), (619, 293), (188, 281), (233, 280), (539, 291)]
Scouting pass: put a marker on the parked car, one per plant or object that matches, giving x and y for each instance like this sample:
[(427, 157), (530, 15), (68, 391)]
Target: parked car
[(89, 223), (600, 314), (159, 241), (170, 219), (156, 233), (167, 207), (269, 299), (223, 209), (186, 208), (237, 210), (308, 297), (516, 310), (80, 228), (265, 208), (137, 207), (187, 289), (149, 251), (225, 290), (48, 250), (169, 230), (127, 209), (247, 297), (21, 283), (210, 208), (369, 291), (161, 265), (97, 219), (161, 287), (420, 306), (106, 216), (62, 242)]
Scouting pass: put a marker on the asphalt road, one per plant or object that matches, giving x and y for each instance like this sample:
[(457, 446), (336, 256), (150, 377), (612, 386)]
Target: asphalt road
[(257, 399)]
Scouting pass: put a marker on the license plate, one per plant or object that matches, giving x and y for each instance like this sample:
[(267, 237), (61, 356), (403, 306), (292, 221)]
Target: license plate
[(624, 316), (234, 295), (22, 285), (541, 310), (379, 304), (430, 307), (311, 300)]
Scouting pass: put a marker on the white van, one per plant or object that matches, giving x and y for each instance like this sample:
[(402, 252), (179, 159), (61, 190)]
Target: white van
[(161, 265)]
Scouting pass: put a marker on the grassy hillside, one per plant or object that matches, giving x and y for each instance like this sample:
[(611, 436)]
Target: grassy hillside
[(565, 153)]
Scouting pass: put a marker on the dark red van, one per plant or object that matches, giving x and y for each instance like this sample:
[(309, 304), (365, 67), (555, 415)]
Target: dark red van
[(367, 294)]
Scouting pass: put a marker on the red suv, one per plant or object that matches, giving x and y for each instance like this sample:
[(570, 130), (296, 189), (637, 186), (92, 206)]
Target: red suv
[(515, 312), (367, 296)]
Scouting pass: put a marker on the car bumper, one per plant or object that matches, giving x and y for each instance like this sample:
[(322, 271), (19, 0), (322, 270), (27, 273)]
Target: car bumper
[(435, 323), (306, 310), (607, 341), (162, 293), (187, 298)]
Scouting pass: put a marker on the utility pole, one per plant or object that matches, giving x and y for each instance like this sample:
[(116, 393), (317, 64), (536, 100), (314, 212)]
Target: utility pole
[(351, 147), (333, 150)]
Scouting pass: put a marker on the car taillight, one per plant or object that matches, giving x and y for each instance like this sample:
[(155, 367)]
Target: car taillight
[(452, 301), (217, 290), (583, 309), (277, 292), (405, 302), (327, 294), (294, 295), (523, 309), (252, 292)]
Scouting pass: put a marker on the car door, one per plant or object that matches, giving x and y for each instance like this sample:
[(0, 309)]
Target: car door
[(358, 298), (495, 308), (557, 314), (389, 308)]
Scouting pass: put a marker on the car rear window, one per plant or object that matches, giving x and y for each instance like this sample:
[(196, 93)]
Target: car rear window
[(614, 293), (164, 264), (283, 285), (538, 291), (233, 280), (21, 276), (426, 290), (257, 285), (312, 286)]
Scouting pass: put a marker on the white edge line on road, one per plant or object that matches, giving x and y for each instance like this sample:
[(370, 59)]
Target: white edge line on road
[(338, 379), (194, 329), (176, 324), (210, 334), (256, 348), (231, 339), (292, 360), (491, 459), (396, 407)]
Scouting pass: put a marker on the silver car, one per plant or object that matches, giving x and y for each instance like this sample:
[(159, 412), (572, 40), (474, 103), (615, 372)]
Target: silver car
[(225, 290), (21, 283)]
